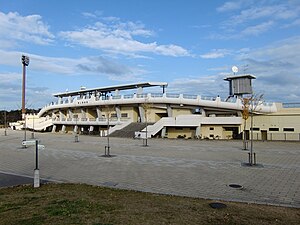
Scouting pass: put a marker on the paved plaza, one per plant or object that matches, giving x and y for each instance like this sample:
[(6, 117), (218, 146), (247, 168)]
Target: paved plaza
[(195, 168)]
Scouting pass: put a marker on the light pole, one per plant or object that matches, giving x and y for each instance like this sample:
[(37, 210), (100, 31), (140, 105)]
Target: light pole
[(76, 128), (5, 133), (251, 141), (32, 134), (25, 62)]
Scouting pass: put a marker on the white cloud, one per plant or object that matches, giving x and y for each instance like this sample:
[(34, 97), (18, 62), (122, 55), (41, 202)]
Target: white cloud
[(10, 85), (17, 28), (119, 37), (229, 6), (277, 69), (215, 53), (203, 85), (93, 15), (272, 11), (73, 66), (256, 29), (254, 18)]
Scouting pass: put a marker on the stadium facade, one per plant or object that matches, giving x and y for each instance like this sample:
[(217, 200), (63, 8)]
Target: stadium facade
[(131, 110)]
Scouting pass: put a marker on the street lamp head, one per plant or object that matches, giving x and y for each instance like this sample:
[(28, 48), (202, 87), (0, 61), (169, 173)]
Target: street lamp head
[(25, 60)]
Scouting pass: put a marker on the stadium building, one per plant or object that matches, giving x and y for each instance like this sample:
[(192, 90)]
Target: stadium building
[(131, 111)]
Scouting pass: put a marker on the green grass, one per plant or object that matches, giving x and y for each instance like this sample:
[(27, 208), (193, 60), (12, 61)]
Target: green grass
[(85, 204)]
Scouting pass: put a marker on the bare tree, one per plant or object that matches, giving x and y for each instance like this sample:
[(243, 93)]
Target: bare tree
[(253, 102), (146, 106), (108, 112), (245, 115)]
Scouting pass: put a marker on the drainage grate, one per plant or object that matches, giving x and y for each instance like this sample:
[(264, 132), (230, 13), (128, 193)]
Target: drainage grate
[(236, 186), (217, 205)]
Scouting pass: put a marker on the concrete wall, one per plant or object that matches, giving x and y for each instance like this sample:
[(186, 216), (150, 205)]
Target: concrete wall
[(214, 132), (175, 132)]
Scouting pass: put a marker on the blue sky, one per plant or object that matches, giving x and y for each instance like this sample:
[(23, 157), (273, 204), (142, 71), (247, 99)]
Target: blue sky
[(190, 44)]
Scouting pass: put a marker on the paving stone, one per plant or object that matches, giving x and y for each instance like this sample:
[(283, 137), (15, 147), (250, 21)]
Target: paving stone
[(194, 168)]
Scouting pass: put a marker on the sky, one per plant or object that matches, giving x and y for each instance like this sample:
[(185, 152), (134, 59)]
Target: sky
[(190, 44)]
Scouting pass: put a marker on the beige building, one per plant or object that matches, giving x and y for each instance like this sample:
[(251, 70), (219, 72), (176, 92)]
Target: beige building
[(128, 108)]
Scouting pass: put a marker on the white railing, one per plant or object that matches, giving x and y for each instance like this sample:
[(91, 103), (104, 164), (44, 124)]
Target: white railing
[(194, 100)]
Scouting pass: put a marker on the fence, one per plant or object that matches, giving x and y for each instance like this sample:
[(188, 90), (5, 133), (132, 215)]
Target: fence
[(278, 137)]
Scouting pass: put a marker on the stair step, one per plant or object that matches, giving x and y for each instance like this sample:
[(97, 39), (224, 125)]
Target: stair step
[(128, 131)]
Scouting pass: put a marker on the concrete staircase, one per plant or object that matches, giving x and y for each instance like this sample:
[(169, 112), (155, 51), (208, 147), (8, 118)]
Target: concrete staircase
[(128, 131)]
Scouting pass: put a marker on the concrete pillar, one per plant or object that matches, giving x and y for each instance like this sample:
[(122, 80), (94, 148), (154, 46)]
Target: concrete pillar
[(142, 114), (203, 113), (61, 115), (99, 112), (63, 129), (118, 112), (59, 100), (163, 132), (140, 90), (198, 131), (70, 99), (70, 113), (75, 130), (91, 128), (169, 111), (53, 128), (83, 113), (53, 116)]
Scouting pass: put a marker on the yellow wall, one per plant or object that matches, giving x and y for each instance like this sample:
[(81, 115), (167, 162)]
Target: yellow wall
[(216, 133), (180, 111), (173, 132), (91, 113)]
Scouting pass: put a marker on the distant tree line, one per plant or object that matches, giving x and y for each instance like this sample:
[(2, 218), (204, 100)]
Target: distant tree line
[(14, 115)]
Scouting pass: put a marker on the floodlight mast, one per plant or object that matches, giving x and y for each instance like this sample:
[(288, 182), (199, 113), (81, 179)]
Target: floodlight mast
[(25, 62)]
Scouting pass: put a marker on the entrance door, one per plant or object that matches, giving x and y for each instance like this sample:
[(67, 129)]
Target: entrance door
[(264, 135)]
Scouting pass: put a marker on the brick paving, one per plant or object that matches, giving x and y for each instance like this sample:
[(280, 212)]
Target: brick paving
[(194, 168)]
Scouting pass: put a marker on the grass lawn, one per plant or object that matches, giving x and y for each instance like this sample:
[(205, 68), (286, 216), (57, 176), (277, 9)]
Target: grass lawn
[(85, 204)]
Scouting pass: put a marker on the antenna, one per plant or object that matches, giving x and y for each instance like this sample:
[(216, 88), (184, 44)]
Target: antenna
[(235, 69)]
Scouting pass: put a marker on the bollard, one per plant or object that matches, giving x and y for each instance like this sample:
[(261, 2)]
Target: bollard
[(254, 158), (36, 182), (76, 138), (106, 151), (249, 158)]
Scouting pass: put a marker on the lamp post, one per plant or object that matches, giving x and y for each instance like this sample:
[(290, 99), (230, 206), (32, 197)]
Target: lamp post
[(76, 128), (25, 62), (5, 133)]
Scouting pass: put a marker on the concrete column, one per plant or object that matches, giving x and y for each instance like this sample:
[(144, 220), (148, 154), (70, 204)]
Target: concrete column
[(59, 100), (118, 112), (163, 132), (198, 131), (83, 113), (70, 113), (53, 128), (203, 113), (99, 112), (140, 90), (91, 128), (53, 116), (61, 115), (70, 99), (75, 129), (142, 114), (63, 129), (169, 111)]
